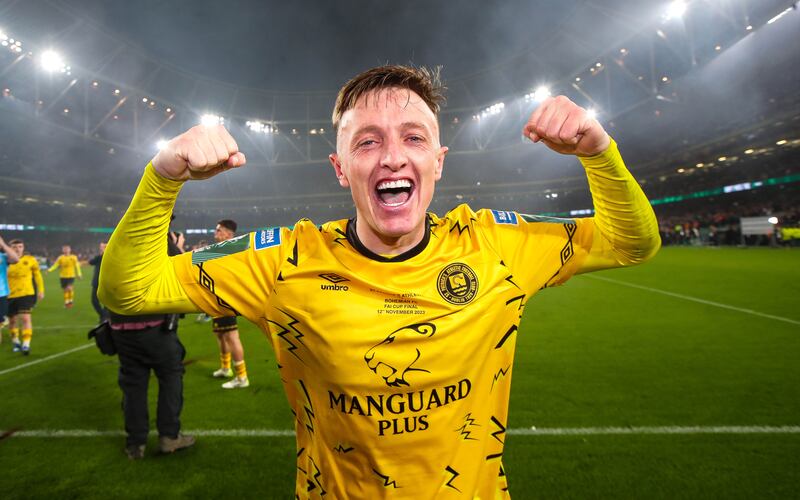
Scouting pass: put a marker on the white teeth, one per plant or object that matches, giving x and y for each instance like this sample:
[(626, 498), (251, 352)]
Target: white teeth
[(400, 183)]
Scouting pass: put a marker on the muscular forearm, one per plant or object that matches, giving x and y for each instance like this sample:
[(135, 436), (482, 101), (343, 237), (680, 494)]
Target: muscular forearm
[(626, 226), (136, 275)]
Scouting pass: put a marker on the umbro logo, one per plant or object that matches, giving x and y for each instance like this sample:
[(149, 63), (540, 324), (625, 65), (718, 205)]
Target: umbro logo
[(335, 279)]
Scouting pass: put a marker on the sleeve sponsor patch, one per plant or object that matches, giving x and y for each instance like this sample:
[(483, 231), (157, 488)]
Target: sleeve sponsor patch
[(267, 238), (542, 218), (503, 217), (217, 250)]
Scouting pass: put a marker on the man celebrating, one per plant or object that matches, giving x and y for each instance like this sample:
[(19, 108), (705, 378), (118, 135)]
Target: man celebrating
[(70, 268), (227, 331), (394, 331)]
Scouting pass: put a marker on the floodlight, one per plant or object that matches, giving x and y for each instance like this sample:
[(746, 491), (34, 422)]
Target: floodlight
[(676, 9), (210, 119), (493, 109), (51, 61), (161, 144), (772, 220), (257, 126), (783, 13), (591, 113), (541, 93)]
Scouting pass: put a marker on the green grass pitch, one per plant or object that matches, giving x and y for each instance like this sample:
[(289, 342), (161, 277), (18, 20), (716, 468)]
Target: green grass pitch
[(594, 353)]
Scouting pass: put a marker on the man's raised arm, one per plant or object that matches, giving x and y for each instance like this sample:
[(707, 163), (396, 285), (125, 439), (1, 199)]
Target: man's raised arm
[(626, 229), (136, 275), (11, 254)]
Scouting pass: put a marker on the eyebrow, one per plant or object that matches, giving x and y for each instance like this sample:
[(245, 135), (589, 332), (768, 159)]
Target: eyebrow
[(403, 126)]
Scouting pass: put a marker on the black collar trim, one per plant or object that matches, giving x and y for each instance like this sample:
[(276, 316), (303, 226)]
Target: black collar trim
[(352, 237)]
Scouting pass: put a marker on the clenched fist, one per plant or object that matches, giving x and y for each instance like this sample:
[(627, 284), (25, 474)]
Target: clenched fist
[(566, 128), (199, 153)]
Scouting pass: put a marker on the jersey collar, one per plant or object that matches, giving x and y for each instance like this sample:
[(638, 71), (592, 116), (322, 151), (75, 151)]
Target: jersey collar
[(352, 237)]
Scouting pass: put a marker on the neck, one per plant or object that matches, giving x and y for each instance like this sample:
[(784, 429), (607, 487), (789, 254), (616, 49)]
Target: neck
[(388, 245)]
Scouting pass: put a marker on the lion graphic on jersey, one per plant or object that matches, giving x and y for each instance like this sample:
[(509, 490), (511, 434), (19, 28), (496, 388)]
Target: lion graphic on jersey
[(393, 358)]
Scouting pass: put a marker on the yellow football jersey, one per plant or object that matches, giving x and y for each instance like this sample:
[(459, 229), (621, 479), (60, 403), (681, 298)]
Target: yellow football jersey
[(22, 275), (401, 390), (68, 265)]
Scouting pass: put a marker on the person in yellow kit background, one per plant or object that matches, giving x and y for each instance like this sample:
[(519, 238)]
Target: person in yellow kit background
[(227, 331), (22, 297), (70, 268)]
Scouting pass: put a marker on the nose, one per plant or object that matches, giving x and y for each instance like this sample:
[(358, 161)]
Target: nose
[(394, 157)]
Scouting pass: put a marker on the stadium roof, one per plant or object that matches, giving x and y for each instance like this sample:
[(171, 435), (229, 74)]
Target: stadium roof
[(666, 85)]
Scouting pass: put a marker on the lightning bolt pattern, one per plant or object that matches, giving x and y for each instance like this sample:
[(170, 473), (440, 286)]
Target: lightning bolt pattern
[(461, 229), (386, 480), (308, 407), (455, 474), (501, 429), (317, 483), (506, 336), (289, 329), (500, 373), (465, 432), (342, 236)]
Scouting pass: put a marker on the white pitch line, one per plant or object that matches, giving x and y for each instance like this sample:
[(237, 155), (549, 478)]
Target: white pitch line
[(546, 431), (48, 358), (600, 431), (695, 299), (61, 327)]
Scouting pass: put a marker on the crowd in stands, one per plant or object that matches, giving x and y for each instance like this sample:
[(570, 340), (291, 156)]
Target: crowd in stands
[(706, 220), (716, 221)]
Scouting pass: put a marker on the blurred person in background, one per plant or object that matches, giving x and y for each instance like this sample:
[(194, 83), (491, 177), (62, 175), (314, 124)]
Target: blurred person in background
[(227, 331), (146, 342), (7, 256), (22, 277), (70, 269), (102, 312), (176, 240)]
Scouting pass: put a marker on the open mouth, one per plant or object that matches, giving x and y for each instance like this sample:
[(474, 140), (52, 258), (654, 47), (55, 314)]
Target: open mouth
[(395, 192)]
